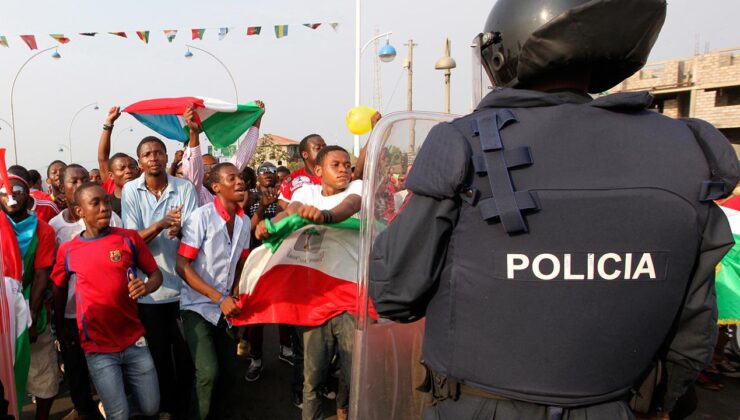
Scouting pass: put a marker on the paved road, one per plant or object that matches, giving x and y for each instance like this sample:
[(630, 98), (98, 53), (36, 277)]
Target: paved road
[(269, 397)]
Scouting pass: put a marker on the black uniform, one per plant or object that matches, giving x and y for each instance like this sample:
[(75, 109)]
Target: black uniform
[(559, 246)]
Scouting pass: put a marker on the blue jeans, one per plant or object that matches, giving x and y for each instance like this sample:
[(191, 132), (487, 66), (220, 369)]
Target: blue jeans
[(134, 367)]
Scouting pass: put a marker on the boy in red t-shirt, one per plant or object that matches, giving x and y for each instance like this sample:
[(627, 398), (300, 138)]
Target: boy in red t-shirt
[(105, 261)]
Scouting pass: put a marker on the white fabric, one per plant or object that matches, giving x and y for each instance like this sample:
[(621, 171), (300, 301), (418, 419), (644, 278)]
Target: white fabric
[(312, 195), (20, 313), (66, 231)]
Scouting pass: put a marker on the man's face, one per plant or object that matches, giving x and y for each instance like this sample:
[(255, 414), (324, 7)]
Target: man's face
[(230, 185), (73, 178), (123, 170), (54, 171), (95, 176), (208, 162), (336, 170), (281, 176), (152, 159), (94, 208), (20, 194), (266, 176), (315, 144)]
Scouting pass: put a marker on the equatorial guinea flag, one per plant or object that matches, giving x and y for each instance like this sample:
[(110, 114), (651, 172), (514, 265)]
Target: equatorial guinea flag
[(303, 274), (727, 281), (222, 122)]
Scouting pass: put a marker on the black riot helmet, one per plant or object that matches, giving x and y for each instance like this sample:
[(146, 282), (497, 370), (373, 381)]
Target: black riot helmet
[(528, 40)]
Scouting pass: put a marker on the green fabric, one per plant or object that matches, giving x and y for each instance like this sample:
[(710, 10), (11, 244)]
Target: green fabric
[(728, 286), (22, 364), (224, 128), (283, 228), (28, 271)]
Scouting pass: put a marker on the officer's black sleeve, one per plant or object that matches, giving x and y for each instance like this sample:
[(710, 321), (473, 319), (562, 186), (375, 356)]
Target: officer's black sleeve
[(408, 257), (691, 348)]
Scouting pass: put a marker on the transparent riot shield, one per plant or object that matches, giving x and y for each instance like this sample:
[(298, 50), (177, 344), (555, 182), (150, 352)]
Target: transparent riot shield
[(385, 363)]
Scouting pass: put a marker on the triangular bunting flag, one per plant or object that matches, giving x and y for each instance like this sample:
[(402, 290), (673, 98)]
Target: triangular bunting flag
[(222, 32), (198, 33), (60, 38), (30, 40), (143, 35), (4, 41), (121, 34), (334, 25), (170, 34), (281, 31), (88, 33), (254, 30), (312, 25)]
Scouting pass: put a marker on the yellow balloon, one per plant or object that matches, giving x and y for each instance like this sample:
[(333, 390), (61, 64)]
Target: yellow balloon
[(358, 120)]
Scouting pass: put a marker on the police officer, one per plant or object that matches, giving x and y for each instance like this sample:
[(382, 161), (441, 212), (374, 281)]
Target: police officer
[(559, 245)]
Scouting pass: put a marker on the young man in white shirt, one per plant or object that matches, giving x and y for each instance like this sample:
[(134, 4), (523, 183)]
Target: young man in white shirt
[(335, 200), (214, 247)]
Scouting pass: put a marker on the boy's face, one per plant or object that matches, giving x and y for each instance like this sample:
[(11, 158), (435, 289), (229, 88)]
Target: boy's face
[(54, 171), (336, 170), (20, 194), (73, 178), (123, 170), (94, 208), (230, 184)]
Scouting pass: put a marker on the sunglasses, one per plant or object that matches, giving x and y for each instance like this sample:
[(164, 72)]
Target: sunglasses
[(267, 170)]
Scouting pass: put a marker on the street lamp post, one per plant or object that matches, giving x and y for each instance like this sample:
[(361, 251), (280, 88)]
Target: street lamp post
[(71, 123), (55, 56), (129, 129), (189, 54), (386, 54), (446, 63)]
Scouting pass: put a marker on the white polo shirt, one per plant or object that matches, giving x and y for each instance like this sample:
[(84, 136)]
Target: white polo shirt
[(206, 241)]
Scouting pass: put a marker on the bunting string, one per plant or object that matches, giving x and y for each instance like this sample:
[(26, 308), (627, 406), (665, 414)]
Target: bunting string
[(281, 31)]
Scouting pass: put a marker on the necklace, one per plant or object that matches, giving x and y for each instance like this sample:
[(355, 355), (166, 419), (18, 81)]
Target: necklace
[(157, 193)]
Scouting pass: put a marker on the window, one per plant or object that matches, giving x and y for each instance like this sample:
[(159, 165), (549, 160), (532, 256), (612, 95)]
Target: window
[(727, 96)]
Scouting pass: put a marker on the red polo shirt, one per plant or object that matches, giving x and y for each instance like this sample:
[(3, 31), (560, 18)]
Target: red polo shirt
[(296, 180)]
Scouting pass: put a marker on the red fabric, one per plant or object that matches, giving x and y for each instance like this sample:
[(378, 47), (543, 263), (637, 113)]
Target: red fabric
[(46, 210), (298, 295), (187, 251), (221, 210), (245, 253), (107, 318), (296, 180), (40, 195), (109, 186), (47, 244), (12, 260), (164, 105)]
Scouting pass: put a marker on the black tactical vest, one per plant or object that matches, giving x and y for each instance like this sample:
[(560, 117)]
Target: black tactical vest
[(581, 221)]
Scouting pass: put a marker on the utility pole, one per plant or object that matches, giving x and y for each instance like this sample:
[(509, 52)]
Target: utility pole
[(409, 65), (377, 82)]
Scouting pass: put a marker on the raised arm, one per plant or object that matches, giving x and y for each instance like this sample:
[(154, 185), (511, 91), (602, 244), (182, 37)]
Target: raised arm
[(104, 142), (192, 160), (248, 146)]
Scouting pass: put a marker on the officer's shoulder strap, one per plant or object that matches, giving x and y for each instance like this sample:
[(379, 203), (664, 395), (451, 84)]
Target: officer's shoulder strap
[(721, 157)]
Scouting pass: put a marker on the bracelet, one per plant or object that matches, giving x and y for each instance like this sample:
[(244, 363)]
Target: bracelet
[(107, 127), (223, 298), (328, 218)]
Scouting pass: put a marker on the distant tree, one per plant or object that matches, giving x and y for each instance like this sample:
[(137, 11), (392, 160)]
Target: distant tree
[(268, 150)]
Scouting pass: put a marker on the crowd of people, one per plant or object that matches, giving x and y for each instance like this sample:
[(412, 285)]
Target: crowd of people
[(133, 269)]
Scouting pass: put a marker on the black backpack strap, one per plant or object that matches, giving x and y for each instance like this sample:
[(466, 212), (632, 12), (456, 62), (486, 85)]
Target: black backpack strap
[(506, 204)]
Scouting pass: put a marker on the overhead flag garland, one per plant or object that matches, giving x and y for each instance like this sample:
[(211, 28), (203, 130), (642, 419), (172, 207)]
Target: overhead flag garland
[(143, 35), (281, 31), (60, 38), (30, 40), (170, 34), (198, 33)]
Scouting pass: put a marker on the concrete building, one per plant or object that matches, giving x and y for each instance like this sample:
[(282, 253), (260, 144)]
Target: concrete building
[(705, 86)]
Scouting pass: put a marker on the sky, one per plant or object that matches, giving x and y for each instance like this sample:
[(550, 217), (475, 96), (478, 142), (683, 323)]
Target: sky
[(306, 79)]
